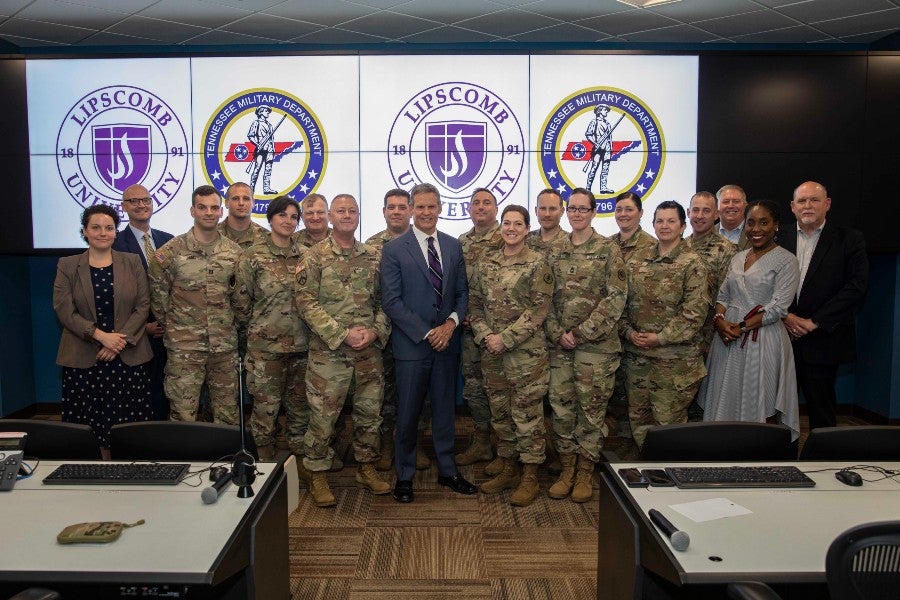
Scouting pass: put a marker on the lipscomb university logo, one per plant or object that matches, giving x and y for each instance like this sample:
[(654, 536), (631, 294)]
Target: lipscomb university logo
[(118, 136), (603, 139), (457, 136), (269, 139)]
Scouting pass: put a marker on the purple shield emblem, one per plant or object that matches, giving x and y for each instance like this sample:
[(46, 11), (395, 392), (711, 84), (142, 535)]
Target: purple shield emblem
[(456, 152), (121, 154)]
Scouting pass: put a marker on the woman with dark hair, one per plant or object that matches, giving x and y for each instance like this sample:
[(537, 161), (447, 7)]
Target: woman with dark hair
[(631, 238), (277, 338), (509, 298), (667, 302), (751, 363), (102, 300)]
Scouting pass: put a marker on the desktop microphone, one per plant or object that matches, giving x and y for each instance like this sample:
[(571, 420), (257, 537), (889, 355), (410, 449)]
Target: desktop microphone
[(211, 494), (679, 539)]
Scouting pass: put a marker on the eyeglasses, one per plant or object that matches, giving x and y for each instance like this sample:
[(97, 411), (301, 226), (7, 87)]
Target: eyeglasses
[(138, 201), (581, 210)]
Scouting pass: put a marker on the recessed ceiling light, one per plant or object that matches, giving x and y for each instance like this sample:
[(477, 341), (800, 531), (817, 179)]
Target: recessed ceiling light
[(647, 3)]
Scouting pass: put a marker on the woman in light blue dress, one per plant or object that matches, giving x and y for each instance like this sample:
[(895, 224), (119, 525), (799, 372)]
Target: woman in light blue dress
[(751, 364)]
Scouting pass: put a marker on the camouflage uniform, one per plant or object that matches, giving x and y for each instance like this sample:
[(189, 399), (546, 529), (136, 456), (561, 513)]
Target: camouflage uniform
[(591, 286), (338, 289), (639, 240), (195, 296), (474, 246), (277, 342), (251, 236), (534, 241), (716, 253), (510, 296), (303, 239), (667, 296)]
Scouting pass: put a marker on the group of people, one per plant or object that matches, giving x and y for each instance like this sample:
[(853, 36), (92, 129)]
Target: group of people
[(732, 327)]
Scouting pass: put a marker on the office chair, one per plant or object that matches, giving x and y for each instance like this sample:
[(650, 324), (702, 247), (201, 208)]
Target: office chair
[(55, 440), (176, 440), (863, 563), (719, 440), (852, 443)]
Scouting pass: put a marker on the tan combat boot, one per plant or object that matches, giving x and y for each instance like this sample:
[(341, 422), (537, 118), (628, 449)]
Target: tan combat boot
[(368, 477), (320, 491), (479, 450), (528, 488), (583, 490), (493, 468), (266, 452), (422, 460), (386, 460), (563, 486), (507, 479)]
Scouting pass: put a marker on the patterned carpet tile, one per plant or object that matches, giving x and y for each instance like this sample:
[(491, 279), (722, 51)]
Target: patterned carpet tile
[(353, 505), (430, 553), (544, 589), (519, 552), (417, 589), (543, 512), (319, 552), (432, 508), (320, 589)]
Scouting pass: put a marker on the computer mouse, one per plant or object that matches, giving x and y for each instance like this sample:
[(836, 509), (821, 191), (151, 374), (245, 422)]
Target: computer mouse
[(849, 477)]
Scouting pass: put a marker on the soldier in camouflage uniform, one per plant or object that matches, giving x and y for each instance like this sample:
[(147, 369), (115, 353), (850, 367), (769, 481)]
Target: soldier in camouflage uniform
[(591, 286), (314, 212), (661, 325), (715, 250), (278, 339), (194, 294), (508, 302), (549, 210), (238, 226), (484, 237), (338, 296)]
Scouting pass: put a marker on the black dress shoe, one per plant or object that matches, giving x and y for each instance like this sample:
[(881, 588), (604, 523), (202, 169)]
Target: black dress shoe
[(457, 484), (403, 491)]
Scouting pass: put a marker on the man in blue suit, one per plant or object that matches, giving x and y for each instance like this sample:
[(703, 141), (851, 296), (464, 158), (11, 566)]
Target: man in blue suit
[(138, 204), (425, 294)]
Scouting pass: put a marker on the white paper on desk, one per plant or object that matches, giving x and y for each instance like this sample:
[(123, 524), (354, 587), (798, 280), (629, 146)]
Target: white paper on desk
[(710, 510)]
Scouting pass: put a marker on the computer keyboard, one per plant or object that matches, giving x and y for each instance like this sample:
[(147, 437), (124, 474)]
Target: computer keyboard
[(118, 474), (739, 477)]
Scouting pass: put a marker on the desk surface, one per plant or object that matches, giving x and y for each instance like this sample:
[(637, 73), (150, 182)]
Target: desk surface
[(787, 533), (181, 540)]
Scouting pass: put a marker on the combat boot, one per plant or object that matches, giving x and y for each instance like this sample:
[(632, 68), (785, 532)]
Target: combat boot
[(478, 450), (528, 487), (303, 473), (563, 486), (320, 491), (368, 477), (583, 490), (386, 460), (493, 468), (507, 479), (422, 460), (266, 452)]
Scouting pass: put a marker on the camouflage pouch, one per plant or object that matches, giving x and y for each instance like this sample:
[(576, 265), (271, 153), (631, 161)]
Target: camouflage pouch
[(94, 533)]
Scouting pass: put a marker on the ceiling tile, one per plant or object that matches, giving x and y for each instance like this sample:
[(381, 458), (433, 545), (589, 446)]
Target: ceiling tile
[(449, 35), (508, 22), (379, 4), (575, 10), (54, 11), (674, 34), (763, 20), (157, 29), (778, 3), (251, 5), (444, 12), (323, 12), (564, 32), (334, 35), (193, 12), (11, 7), (105, 38), (226, 38), (825, 10), (799, 34), (40, 30), (690, 12), (264, 25), (389, 25), (122, 6), (868, 38), (860, 24), (25, 42), (629, 21)]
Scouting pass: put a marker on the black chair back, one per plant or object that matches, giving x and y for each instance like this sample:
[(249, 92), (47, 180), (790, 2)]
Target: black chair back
[(862, 442), (863, 563), (55, 440), (176, 440), (719, 440)]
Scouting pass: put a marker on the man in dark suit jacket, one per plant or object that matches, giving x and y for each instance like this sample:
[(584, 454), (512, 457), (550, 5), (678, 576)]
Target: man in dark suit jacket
[(425, 293), (138, 204), (834, 271)]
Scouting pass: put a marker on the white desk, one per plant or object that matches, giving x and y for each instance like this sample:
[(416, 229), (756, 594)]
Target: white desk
[(183, 542), (783, 540)]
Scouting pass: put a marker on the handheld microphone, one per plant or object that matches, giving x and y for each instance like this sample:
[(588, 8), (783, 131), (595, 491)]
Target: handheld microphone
[(679, 539), (211, 494)]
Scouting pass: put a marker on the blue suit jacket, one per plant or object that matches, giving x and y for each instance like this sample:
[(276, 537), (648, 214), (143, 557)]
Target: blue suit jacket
[(409, 300), (126, 242)]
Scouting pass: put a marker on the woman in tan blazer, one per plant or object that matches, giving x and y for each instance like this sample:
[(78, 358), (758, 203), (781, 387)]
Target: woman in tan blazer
[(101, 298)]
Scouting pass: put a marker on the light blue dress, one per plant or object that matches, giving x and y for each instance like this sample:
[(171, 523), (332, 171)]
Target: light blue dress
[(757, 381)]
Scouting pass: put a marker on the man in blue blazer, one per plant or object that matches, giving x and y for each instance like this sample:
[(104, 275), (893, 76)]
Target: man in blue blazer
[(425, 293), (138, 204)]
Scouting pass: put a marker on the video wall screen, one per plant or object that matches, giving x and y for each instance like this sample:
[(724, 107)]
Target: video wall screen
[(360, 125)]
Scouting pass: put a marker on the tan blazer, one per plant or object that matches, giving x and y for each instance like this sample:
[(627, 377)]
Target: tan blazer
[(73, 301)]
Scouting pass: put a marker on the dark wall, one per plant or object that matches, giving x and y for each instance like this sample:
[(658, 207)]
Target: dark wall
[(15, 227)]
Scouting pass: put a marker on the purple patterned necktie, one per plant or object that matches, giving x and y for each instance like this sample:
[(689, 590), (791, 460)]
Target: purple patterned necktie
[(435, 273)]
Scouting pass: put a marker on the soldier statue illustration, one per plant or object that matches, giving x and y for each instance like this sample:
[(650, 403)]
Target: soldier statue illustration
[(599, 133), (262, 134)]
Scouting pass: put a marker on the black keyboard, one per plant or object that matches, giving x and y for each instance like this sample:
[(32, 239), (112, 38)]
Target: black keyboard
[(118, 474), (739, 477)]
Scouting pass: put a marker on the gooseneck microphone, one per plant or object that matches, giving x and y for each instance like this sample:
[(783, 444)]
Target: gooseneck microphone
[(679, 539), (211, 494)]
